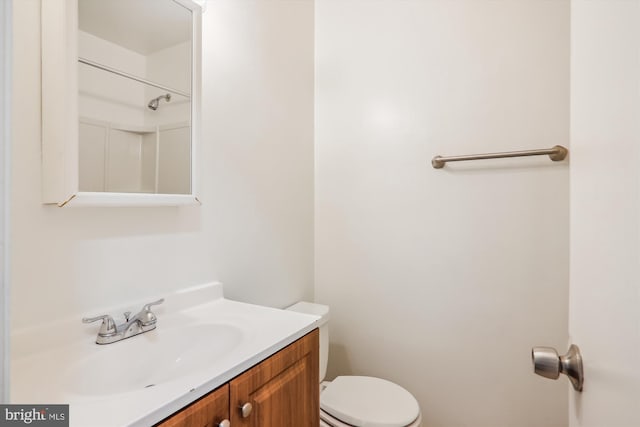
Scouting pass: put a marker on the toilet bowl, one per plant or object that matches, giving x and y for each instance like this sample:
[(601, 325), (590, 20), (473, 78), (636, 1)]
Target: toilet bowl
[(358, 401)]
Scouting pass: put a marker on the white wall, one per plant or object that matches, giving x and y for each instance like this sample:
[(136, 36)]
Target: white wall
[(254, 228), (107, 96), (258, 62), (174, 164), (605, 210), (5, 89), (169, 67), (443, 280)]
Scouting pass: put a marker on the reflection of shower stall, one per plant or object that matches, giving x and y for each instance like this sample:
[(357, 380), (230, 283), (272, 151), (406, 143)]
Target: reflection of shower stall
[(134, 132), (140, 159)]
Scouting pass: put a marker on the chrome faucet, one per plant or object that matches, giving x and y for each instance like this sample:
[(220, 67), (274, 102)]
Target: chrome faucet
[(143, 321)]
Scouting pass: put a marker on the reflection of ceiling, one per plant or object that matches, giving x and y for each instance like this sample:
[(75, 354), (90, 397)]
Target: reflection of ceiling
[(144, 26)]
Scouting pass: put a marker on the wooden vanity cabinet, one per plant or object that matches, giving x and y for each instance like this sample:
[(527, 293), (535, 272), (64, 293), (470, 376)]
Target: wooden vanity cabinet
[(281, 391), (210, 411)]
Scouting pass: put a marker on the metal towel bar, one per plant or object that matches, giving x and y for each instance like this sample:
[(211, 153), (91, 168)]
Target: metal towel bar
[(556, 153)]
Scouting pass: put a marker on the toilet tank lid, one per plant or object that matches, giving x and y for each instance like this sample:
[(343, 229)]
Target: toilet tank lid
[(311, 308)]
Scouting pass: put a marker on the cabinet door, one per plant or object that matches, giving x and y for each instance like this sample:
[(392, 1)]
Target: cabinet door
[(283, 390), (209, 411)]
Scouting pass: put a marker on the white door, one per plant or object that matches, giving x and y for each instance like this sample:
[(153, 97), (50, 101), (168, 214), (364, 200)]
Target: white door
[(604, 312)]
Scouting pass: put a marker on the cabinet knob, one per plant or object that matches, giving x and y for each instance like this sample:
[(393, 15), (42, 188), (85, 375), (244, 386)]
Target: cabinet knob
[(246, 409), (225, 423)]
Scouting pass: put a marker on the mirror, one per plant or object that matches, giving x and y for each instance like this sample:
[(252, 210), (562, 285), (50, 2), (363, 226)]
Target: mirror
[(134, 82), (130, 90)]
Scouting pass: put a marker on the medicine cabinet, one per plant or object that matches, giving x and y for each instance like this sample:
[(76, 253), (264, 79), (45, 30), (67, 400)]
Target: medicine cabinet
[(120, 102)]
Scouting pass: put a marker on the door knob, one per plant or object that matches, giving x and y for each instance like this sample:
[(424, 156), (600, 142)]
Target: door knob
[(224, 423), (245, 409), (548, 364)]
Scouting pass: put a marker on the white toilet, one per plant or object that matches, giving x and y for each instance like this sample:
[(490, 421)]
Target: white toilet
[(350, 401)]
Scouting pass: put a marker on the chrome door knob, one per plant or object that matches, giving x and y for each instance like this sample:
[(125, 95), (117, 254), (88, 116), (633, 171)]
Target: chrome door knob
[(548, 364)]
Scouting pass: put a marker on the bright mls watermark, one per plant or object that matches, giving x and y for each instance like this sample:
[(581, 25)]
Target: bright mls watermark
[(34, 415)]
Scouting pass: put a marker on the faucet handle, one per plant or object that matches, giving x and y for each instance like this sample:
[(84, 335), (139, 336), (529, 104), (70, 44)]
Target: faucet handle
[(147, 307), (108, 326), (146, 316)]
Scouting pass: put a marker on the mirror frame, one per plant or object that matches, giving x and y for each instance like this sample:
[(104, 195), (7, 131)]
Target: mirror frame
[(60, 145)]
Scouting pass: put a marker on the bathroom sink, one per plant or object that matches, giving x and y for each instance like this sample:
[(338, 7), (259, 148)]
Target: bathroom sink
[(154, 358), (201, 341)]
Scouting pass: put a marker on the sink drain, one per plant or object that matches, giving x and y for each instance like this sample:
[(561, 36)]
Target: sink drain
[(149, 385)]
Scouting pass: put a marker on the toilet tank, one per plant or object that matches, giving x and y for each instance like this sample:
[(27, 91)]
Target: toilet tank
[(323, 326)]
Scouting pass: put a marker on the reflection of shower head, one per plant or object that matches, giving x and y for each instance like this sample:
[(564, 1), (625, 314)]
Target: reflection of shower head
[(155, 102)]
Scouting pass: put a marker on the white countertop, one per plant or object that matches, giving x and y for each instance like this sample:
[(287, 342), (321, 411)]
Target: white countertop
[(61, 364)]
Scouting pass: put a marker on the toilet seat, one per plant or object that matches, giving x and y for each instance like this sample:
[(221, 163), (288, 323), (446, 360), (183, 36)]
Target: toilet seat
[(327, 420), (368, 401)]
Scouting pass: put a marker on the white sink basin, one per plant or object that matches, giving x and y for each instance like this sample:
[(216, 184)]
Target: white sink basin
[(202, 341), (150, 359)]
